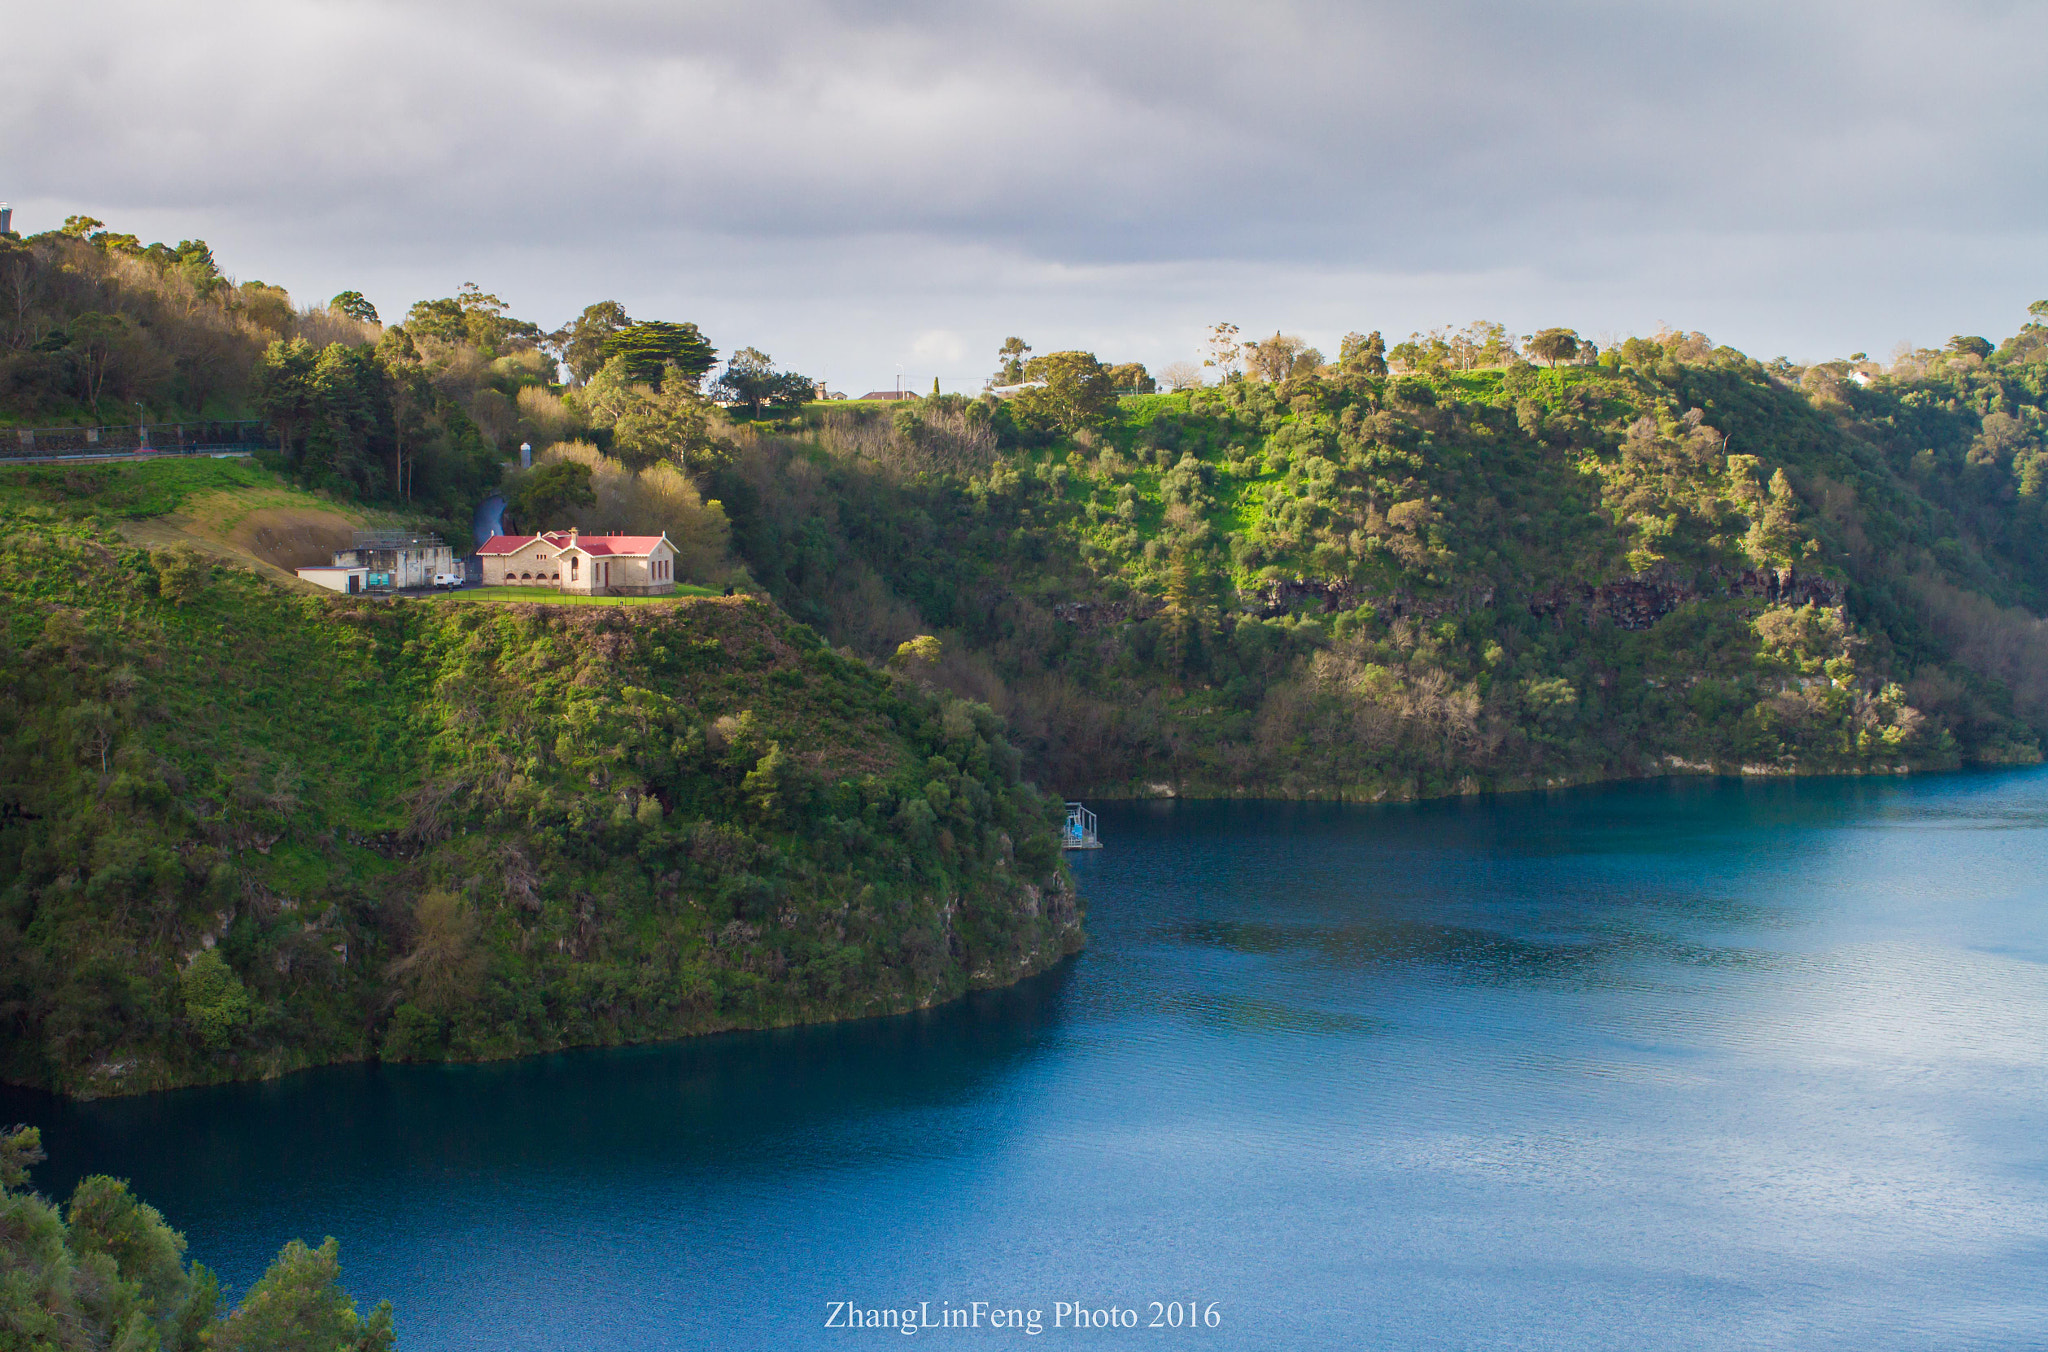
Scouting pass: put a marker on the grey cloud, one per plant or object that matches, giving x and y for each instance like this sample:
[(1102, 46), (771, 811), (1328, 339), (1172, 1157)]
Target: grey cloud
[(1609, 156)]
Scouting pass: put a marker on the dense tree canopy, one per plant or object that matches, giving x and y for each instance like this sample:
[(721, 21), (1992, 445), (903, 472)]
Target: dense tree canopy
[(549, 494), (106, 1271), (1365, 354), (653, 349), (751, 382), (581, 341), (1078, 390), (355, 305), (1279, 357), (1555, 345), (643, 423), (475, 317)]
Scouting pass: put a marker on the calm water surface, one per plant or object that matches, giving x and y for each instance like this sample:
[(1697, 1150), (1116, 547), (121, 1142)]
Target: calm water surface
[(1705, 1065)]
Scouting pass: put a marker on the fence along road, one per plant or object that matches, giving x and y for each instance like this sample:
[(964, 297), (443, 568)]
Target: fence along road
[(30, 445)]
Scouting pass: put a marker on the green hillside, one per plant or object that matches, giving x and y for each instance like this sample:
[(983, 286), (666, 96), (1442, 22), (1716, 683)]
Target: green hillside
[(1369, 585), (247, 830)]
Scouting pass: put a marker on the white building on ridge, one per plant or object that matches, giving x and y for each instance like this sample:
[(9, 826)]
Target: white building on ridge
[(587, 565)]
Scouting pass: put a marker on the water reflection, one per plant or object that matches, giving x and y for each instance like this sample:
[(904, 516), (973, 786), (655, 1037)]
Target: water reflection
[(1481, 956), (1245, 1014), (734, 1102)]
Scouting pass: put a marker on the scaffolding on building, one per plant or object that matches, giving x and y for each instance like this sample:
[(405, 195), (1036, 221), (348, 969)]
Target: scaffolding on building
[(396, 539)]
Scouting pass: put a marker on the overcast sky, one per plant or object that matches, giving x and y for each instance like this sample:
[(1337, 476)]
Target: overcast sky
[(863, 189)]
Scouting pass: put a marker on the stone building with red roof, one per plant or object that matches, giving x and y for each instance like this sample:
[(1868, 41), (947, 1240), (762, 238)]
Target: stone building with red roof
[(585, 565)]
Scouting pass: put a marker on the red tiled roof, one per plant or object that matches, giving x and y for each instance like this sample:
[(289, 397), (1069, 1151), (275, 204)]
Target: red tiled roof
[(616, 544), (594, 545)]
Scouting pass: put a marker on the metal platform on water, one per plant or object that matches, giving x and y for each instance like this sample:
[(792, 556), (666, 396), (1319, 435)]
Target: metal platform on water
[(1080, 830)]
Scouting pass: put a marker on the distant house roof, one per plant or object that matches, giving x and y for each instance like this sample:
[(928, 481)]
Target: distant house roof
[(594, 545), (888, 394)]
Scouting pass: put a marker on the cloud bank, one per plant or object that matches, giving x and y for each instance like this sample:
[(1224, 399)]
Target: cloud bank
[(866, 188)]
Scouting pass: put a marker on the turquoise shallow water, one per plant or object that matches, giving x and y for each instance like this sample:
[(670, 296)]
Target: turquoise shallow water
[(1699, 1065)]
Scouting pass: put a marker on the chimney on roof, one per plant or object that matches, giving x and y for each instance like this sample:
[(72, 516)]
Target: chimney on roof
[(572, 535)]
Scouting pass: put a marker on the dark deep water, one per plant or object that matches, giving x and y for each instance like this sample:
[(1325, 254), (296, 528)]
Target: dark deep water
[(1690, 1065)]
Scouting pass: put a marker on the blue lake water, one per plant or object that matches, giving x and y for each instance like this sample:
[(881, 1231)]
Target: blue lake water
[(1705, 1064)]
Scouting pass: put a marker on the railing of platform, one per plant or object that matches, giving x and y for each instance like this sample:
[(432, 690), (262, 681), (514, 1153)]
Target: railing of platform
[(1080, 831)]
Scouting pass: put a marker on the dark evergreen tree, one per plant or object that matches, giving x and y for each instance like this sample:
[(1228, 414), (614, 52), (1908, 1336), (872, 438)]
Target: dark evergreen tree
[(649, 348)]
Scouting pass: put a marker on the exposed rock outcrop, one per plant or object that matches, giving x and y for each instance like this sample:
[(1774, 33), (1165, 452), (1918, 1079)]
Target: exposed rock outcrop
[(1788, 586), (1630, 603), (1335, 595), (1639, 602), (1102, 614)]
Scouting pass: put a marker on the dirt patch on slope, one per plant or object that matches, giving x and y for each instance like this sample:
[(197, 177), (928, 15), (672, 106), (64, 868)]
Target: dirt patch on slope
[(290, 538), (266, 530), (163, 532)]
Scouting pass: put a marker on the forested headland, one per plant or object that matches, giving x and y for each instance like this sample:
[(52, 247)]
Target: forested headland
[(248, 828), (251, 830)]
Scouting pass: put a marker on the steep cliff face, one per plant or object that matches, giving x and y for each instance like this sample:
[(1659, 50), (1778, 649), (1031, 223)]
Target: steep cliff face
[(247, 831)]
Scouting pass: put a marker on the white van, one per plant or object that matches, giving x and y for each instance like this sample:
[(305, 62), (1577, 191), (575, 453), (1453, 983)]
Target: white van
[(448, 580)]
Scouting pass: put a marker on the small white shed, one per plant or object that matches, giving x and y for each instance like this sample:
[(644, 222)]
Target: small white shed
[(337, 578)]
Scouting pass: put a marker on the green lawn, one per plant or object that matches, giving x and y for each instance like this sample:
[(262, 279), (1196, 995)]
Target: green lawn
[(550, 595)]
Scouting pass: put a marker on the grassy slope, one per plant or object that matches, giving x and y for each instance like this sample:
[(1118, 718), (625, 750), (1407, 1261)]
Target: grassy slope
[(234, 511), (425, 830)]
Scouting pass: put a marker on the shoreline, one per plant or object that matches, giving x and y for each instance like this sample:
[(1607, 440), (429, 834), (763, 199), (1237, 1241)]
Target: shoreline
[(1029, 972), (1160, 791)]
